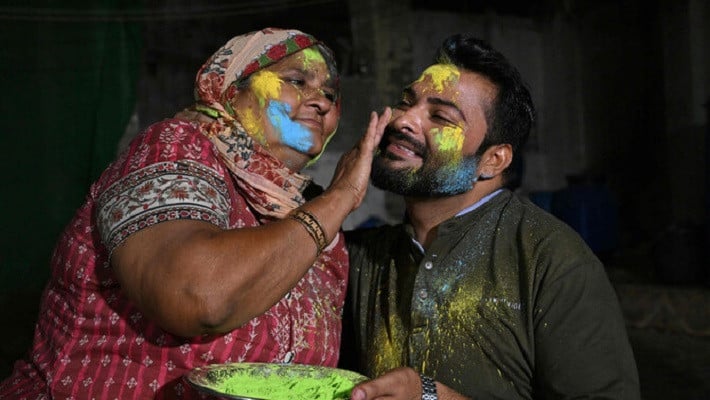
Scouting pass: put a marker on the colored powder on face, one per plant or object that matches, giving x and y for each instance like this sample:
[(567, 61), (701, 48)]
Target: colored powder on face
[(311, 59), (449, 139), (250, 122), (322, 150), (312, 56), (280, 387), (458, 177), (441, 75), (266, 85), (293, 134)]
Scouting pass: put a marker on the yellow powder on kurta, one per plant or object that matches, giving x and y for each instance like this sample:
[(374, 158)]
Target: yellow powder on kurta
[(441, 75), (280, 387), (266, 85)]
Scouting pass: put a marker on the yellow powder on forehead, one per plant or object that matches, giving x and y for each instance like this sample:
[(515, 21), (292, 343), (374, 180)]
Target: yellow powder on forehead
[(441, 75), (266, 85), (449, 138)]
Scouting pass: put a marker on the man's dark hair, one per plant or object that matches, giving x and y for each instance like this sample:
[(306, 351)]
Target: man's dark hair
[(512, 114)]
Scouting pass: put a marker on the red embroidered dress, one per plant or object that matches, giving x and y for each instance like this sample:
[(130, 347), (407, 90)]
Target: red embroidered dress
[(91, 342)]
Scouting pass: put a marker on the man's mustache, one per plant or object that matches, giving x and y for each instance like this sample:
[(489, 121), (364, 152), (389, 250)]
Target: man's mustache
[(391, 134)]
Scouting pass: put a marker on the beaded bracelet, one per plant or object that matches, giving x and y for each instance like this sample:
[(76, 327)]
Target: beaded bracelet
[(313, 227), (428, 388)]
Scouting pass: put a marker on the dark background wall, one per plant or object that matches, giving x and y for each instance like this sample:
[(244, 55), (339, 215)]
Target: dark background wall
[(621, 89)]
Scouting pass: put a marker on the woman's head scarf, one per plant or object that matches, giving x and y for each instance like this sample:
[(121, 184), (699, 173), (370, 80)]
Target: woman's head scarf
[(270, 187)]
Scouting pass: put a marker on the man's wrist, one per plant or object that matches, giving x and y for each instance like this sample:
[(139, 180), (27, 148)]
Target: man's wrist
[(428, 388)]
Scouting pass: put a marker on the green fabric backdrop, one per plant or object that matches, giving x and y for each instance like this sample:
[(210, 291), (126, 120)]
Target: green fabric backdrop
[(68, 79)]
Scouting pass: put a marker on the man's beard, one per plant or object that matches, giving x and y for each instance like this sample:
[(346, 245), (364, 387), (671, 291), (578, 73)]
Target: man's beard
[(439, 176)]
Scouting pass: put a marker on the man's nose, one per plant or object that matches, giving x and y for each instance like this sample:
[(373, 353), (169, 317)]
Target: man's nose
[(407, 121)]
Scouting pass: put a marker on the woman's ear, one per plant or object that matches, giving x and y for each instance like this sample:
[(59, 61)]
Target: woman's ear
[(495, 160)]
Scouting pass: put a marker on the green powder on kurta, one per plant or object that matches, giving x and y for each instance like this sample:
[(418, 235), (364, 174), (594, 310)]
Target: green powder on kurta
[(279, 387)]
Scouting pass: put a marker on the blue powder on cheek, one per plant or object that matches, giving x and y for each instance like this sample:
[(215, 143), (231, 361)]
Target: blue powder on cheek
[(459, 178), (293, 134)]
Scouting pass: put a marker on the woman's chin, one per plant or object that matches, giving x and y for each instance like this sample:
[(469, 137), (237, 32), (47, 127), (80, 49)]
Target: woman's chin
[(298, 162), (306, 159)]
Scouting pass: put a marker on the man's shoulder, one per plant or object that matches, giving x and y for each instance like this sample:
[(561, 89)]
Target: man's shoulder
[(521, 208), (533, 226), (545, 235)]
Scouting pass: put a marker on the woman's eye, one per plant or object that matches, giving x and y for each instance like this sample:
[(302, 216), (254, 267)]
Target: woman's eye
[(332, 97)]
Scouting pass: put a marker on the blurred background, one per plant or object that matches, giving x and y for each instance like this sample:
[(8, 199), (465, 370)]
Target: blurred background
[(620, 150)]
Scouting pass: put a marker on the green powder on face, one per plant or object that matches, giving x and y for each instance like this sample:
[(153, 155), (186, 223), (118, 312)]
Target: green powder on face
[(280, 387)]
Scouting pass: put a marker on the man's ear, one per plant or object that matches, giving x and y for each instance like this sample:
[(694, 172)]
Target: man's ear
[(495, 160)]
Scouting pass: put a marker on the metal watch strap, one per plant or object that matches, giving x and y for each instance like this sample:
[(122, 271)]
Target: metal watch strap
[(428, 388)]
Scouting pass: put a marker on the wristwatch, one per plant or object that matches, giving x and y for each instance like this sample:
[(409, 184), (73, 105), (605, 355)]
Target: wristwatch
[(428, 388)]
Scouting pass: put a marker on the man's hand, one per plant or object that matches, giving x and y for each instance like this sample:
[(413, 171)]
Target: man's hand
[(400, 384)]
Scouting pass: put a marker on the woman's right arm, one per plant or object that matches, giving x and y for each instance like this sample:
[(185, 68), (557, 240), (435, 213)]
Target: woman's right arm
[(194, 278)]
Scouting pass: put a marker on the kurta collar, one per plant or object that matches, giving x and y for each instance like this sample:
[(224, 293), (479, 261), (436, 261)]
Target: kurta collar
[(451, 223)]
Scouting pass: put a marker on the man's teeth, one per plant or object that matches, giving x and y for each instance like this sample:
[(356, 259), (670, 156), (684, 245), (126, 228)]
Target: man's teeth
[(406, 150)]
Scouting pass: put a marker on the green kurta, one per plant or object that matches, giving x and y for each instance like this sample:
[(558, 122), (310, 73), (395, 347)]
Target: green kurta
[(506, 303)]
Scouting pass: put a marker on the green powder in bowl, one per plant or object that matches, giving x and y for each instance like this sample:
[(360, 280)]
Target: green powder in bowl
[(275, 381)]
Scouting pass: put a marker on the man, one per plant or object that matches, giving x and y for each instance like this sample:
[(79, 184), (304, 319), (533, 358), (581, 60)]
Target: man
[(479, 291)]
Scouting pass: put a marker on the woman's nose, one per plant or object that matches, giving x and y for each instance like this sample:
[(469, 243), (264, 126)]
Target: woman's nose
[(318, 98)]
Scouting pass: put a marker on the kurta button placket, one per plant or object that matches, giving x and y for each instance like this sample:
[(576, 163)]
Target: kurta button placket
[(428, 265)]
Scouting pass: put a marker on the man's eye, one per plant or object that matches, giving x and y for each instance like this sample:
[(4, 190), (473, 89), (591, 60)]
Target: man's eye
[(443, 118), (295, 81), (403, 103)]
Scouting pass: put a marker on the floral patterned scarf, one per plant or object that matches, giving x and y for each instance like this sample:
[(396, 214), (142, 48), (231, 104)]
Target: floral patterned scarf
[(270, 187)]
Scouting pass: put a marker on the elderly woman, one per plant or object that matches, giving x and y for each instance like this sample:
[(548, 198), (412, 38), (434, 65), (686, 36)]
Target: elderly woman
[(198, 245)]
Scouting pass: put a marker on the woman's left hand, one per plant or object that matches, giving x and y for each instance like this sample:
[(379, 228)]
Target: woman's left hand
[(353, 171)]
